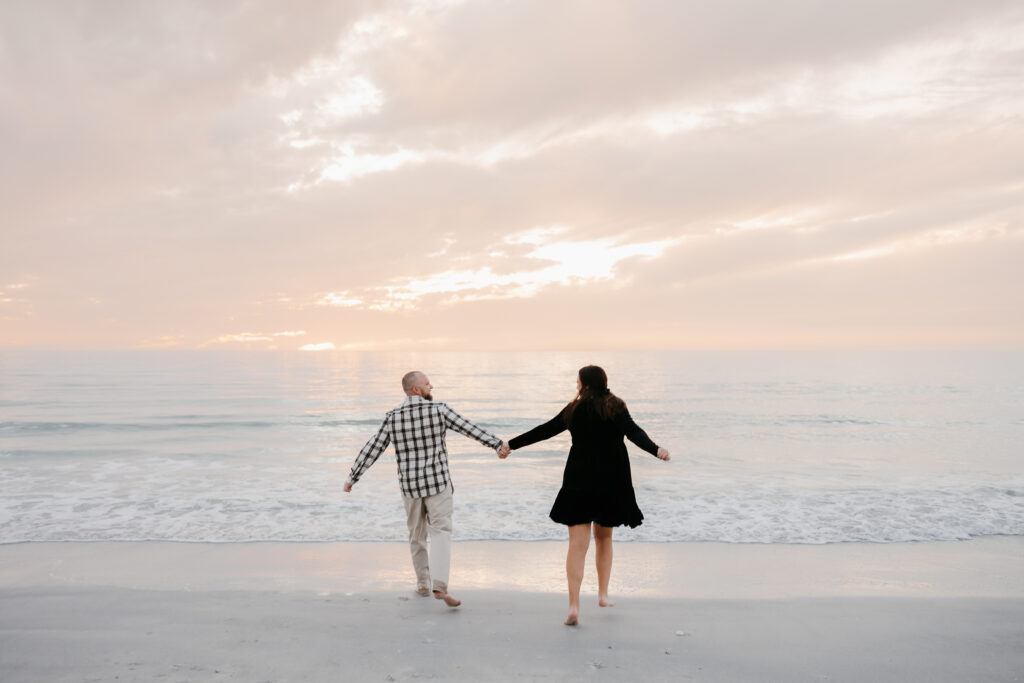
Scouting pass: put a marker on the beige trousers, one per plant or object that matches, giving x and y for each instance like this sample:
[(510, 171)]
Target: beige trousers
[(431, 516)]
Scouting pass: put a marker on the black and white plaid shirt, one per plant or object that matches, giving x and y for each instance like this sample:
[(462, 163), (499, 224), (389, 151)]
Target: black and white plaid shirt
[(417, 428)]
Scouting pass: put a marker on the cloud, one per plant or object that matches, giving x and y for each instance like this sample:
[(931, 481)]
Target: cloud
[(949, 69), (567, 263), (932, 76), (251, 337), (342, 299), (243, 337), (398, 343), (945, 237), (347, 164), (325, 346)]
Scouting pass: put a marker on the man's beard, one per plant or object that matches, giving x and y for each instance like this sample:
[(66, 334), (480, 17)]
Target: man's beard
[(429, 397)]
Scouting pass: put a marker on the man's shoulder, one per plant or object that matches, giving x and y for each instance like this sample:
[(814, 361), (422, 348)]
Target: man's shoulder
[(414, 405), (400, 407), (437, 406), (395, 411)]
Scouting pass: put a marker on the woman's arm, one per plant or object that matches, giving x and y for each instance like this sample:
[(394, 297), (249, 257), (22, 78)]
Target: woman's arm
[(634, 433), (555, 425)]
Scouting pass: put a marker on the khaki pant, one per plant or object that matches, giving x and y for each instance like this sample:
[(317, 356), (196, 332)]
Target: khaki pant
[(430, 516)]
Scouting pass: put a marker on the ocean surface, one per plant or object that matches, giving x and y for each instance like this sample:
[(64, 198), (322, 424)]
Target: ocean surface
[(779, 447)]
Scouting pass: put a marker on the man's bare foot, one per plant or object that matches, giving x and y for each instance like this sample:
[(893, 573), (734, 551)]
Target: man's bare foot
[(573, 618), (449, 600), (605, 602), (422, 591)]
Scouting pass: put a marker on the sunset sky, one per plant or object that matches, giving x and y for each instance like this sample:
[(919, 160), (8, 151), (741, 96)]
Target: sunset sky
[(512, 175)]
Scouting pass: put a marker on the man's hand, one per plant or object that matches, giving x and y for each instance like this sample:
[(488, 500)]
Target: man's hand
[(348, 486), (503, 450), (663, 454)]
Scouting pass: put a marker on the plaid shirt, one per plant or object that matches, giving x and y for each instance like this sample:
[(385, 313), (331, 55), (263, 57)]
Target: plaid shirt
[(417, 428)]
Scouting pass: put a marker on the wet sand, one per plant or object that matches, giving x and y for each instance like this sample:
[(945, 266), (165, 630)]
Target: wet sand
[(347, 612)]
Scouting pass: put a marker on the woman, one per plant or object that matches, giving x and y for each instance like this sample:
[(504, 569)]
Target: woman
[(597, 490)]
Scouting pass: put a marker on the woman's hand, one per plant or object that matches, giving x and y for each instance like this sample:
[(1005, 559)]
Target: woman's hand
[(663, 454)]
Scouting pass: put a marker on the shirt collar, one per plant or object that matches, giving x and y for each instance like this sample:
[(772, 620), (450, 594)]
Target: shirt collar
[(413, 400)]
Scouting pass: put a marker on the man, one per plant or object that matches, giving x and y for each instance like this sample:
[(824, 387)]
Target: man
[(417, 427)]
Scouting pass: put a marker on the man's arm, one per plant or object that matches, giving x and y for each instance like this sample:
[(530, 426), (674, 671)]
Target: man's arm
[(463, 426), (371, 451)]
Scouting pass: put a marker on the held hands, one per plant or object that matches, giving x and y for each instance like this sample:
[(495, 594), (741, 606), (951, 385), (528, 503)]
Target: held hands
[(503, 450), (663, 454), (348, 486)]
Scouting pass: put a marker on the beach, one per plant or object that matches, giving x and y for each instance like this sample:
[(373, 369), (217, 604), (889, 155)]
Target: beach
[(824, 517), (948, 611)]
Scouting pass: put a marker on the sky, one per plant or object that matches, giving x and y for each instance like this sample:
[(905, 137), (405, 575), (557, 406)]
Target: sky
[(529, 175)]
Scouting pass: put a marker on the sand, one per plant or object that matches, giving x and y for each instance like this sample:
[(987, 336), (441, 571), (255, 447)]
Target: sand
[(346, 612)]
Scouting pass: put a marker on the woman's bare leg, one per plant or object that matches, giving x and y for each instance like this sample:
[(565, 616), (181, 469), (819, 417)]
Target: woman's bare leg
[(603, 543), (579, 542)]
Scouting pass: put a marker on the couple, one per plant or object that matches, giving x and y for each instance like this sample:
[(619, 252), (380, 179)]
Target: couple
[(596, 494)]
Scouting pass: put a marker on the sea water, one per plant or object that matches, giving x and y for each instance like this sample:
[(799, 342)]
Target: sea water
[(780, 447)]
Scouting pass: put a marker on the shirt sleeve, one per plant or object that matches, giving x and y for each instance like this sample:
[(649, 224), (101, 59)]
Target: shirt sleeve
[(371, 451), (456, 422), (633, 432), (552, 427)]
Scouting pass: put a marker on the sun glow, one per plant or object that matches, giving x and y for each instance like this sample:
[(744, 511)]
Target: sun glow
[(325, 346), (567, 263)]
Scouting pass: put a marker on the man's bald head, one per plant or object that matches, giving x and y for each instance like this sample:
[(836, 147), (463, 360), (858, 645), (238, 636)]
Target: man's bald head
[(415, 383)]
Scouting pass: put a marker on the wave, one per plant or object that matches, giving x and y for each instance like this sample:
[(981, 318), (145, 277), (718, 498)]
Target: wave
[(51, 427), (182, 423), (773, 516), (57, 429)]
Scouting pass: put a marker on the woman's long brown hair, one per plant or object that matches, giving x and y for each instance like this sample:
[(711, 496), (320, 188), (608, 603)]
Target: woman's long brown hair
[(594, 391)]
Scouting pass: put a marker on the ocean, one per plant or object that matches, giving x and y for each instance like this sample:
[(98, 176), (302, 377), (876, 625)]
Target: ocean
[(767, 447)]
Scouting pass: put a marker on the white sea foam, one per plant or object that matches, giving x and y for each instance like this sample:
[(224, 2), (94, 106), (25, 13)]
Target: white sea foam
[(102, 509)]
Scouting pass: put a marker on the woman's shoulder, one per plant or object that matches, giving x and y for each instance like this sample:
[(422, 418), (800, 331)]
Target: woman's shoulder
[(589, 415)]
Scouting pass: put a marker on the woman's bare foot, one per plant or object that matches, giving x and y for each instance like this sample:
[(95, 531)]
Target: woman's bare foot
[(449, 600), (605, 601), (573, 618)]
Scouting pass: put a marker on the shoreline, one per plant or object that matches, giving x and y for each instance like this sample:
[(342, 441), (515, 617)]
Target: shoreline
[(985, 567), (946, 612)]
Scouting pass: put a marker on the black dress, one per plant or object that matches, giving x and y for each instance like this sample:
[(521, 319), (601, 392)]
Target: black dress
[(596, 485)]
